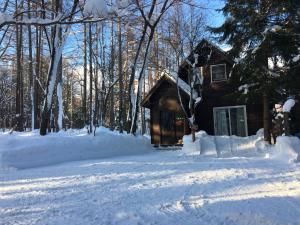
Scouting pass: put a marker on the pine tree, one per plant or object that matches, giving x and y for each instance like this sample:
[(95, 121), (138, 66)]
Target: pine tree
[(262, 32)]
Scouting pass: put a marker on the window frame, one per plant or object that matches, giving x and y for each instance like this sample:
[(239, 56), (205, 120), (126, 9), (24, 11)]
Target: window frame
[(211, 73), (228, 108)]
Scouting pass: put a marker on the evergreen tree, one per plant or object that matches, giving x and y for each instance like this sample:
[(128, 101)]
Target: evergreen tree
[(265, 39)]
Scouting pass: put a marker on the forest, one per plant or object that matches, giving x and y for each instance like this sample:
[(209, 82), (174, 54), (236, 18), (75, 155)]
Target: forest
[(74, 64)]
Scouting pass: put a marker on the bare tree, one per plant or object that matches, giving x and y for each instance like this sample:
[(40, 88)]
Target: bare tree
[(150, 21), (121, 86), (56, 52)]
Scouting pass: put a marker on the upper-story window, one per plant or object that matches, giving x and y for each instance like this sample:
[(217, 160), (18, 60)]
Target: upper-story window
[(218, 72)]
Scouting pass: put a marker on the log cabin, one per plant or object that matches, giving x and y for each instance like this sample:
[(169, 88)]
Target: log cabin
[(220, 111)]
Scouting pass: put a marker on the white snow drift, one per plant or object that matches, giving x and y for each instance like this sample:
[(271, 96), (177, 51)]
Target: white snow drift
[(25, 150), (286, 148)]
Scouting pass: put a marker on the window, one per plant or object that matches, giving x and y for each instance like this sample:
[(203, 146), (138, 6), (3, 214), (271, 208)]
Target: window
[(218, 72), (231, 120)]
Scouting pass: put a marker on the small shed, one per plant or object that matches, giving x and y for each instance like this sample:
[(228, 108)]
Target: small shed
[(168, 123)]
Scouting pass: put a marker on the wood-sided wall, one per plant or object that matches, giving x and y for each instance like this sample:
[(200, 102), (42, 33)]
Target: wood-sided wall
[(166, 98)]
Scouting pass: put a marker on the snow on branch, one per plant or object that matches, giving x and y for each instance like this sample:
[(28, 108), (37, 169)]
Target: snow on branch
[(297, 57), (96, 13), (245, 87), (5, 17), (97, 8), (288, 105)]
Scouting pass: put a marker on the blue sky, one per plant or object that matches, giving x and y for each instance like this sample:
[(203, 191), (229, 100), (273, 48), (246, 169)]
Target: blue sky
[(215, 18)]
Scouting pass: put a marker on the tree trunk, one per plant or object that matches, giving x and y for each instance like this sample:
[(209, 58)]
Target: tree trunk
[(132, 77), (96, 82), (266, 118), (52, 76), (91, 77), (30, 71), (19, 89), (121, 87), (84, 101), (38, 71), (58, 6), (143, 116), (111, 79), (138, 95)]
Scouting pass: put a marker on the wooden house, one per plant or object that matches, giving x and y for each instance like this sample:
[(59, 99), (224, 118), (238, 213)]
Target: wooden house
[(219, 113)]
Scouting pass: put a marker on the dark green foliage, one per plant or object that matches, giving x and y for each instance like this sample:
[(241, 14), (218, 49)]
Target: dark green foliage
[(260, 31)]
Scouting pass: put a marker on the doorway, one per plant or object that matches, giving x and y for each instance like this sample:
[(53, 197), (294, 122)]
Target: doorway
[(171, 128), (230, 120)]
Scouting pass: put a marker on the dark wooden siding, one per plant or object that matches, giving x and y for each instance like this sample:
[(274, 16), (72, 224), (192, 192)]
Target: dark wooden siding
[(165, 98), (221, 93), (254, 117), (295, 119)]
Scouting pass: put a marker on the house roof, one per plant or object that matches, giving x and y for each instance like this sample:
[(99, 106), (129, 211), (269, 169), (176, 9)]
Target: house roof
[(221, 51), (170, 77), (203, 43)]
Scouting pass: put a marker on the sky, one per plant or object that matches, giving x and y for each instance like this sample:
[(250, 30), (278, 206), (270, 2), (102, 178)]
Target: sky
[(216, 18)]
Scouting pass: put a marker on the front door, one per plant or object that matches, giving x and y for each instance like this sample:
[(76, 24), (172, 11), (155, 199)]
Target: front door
[(167, 127)]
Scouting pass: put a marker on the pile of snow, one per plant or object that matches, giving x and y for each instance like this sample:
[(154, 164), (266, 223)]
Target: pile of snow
[(286, 148), (29, 149), (288, 105), (221, 145)]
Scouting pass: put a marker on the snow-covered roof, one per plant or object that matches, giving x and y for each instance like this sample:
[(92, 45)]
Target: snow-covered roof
[(181, 84), (170, 76)]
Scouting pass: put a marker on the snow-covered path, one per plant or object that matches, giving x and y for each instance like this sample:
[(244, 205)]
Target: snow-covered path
[(157, 188)]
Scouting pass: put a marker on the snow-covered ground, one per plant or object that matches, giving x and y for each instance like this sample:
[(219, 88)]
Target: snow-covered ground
[(120, 179), (163, 187)]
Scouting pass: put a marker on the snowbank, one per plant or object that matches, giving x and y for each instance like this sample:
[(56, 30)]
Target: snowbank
[(286, 149), (29, 149), (221, 145)]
